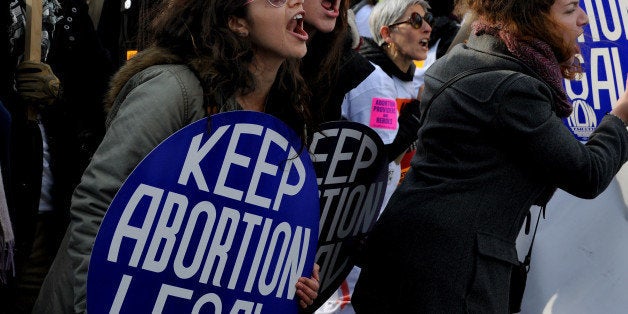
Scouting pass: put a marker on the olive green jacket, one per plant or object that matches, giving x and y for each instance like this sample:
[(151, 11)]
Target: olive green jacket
[(155, 103)]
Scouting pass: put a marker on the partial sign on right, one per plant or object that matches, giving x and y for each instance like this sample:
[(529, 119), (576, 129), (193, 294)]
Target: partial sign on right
[(604, 47), (580, 258)]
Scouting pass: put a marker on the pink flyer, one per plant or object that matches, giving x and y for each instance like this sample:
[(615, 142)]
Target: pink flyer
[(384, 114)]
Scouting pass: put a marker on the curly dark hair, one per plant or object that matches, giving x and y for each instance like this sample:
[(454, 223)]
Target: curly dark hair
[(530, 19), (197, 31), (321, 64)]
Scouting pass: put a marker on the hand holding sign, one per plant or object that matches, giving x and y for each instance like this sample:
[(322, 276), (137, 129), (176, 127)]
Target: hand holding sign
[(307, 288), (32, 49), (352, 172), (36, 83)]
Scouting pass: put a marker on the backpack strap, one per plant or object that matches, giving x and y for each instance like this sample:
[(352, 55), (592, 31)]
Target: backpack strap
[(527, 259), (454, 79)]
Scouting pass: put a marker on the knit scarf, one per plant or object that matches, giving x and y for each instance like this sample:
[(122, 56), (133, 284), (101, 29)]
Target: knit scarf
[(538, 56), (7, 240)]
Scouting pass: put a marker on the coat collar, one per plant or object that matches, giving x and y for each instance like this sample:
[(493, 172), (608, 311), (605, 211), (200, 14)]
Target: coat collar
[(376, 54)]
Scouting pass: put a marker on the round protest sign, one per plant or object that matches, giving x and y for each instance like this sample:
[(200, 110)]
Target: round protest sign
[(352, 172), (604, 48), (221, 217)]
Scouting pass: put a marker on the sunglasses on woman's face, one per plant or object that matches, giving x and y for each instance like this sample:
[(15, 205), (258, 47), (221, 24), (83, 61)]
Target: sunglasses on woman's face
[(274, 3), (416, 20)]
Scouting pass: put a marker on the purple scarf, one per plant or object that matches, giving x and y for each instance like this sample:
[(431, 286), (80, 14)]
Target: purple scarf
[(537, 55)]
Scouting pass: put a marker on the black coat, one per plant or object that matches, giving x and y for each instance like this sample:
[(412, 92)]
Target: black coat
[(491, 147), (74, 125)]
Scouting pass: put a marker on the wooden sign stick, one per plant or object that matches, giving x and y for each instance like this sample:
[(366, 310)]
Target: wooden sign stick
[(32, 49)]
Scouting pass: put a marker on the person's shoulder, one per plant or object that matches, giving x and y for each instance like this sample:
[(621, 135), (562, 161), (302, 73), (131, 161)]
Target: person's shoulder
[(352, 59), (520, 82), (150, 64), (177, 72), (380, 77), (477, 80), (377, 82), (164, 78), (173, 87), (470, 58)]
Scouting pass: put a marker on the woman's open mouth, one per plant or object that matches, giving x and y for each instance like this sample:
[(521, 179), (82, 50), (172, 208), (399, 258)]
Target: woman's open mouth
[(296, 26)]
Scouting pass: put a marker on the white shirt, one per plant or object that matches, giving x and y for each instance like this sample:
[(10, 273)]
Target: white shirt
[(359, 103)]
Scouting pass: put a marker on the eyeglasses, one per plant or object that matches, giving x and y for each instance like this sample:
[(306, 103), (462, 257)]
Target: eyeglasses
[(274, 3), (416, 20)]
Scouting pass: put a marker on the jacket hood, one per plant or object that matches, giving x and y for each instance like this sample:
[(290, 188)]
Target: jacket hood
[(144, 59), (374, 53)]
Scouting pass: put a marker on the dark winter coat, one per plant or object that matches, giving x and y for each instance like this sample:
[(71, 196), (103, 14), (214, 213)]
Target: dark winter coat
[(491, 146), (74, 125)]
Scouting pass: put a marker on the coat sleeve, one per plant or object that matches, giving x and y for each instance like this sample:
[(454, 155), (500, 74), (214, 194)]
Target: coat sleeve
[(535, 136), (150, 113)]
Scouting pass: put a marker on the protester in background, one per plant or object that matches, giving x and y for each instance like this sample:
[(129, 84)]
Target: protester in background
[(5, 136), (493, 144), (468, 17), (330, 66), (116, 25), (445, 26), (344, 84), (208, 57), (57, 122), (7, 239), (362, 10), (401, 32)]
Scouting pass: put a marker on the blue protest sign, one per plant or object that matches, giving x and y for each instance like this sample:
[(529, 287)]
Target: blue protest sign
[(352, 173), (577, 266), (213, 222), (604, 47)]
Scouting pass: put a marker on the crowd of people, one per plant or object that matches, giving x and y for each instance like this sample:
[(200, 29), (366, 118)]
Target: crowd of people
[(56, 123), (483, 112)]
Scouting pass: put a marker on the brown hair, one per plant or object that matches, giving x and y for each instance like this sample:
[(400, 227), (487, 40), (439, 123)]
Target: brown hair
[(197, 32), (529, 19), (321, 64)]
